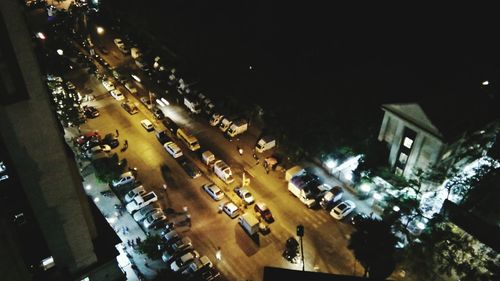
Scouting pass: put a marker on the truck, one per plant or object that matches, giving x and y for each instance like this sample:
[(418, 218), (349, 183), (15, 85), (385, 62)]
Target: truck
[(293, 171), (223, 171), (208, 158), (249, 223), (215, 119), (192, 104), (224, 124), (305, 187), (238, 127), (265, 143)]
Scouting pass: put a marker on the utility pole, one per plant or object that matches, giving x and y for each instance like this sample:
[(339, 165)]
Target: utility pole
[(300, 233)]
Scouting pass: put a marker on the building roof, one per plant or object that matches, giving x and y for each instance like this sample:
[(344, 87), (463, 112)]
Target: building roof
[(279, 274), (448, 117)]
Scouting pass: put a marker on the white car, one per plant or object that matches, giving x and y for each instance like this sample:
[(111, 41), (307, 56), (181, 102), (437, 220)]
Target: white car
[(97, 149), (184, 260), (119, 43), (214, 191), (343, 209), (108, 85), (140, 201), (231, 210), (125, 178), (153, 218), (117, 94), (134, 192), (173, 149), (143, 212), (245, 195), (147, 125), (131, 88)]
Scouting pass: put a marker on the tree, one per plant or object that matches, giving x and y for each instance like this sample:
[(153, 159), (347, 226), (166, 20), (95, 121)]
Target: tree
[(108, 169), (451, 251), (149, 247), (373, 245)]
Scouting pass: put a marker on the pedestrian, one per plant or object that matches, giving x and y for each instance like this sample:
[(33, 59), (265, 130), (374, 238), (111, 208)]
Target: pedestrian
[(126, 229), (257, 163), (218, 254), (126, 143), (138, 240), (117, 133)]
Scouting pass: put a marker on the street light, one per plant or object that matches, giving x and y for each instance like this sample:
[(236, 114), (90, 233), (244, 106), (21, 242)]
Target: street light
[(100, 30)]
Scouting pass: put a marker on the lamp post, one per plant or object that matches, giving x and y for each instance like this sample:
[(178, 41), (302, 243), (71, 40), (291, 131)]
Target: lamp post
[(300, 233)]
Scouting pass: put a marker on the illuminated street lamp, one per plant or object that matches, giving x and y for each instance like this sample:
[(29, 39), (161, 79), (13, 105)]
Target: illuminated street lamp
[(60, 52), (100, 30), (485, 83)]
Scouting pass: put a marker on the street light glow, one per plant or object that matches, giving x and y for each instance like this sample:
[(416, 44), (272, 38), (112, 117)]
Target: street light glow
[(136, 78), (60, 52), (100, 30), (331, 164), (40, 36), (396, 208), (486, 82), (88, 187), (365, 187)]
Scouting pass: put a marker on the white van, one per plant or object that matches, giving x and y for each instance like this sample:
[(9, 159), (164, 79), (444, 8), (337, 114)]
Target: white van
[(208, 158)]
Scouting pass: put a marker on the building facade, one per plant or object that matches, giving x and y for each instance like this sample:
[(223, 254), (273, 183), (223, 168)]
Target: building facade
[(42, 188)]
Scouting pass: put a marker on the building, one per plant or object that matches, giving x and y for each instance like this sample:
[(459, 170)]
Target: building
[(49, 229), (436, 131)]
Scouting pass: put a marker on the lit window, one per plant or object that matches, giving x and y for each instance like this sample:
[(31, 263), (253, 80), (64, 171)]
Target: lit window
[(403, 158), (399, 171), (408, 142)]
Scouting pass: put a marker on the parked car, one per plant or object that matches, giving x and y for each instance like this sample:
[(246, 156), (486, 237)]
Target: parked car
[(147, 102), (231, 210), (173, 149), (214, 191), (154, 218), (108, 85), (191, 169), (143, 212), (179, 245), (84, 138), (158, 114), (184, 260), (147, 125), (141, 201), (331, 197), (130, 107), (170, 125), (140, 190), (245, 195), (97, 149), (117, 94), (130, 87), (162, 136), (264, 212), (343, 209), (90, 112), (111, 140), (125, 178)]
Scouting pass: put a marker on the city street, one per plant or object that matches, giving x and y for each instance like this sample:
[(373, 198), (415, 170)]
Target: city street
[(325, 240)]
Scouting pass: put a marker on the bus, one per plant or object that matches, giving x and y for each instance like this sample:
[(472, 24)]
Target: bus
[(191, 142)]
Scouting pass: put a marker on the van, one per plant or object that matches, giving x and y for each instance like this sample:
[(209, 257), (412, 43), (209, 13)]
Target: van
[(191, 141), (208, 158)]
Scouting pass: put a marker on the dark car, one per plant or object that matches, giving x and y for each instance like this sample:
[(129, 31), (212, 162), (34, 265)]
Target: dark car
[(291, 252), (130, 108), (163, 137), (111, 140), (90, 112), (170, 125), (158, 114), (358, 218), (191, 169)]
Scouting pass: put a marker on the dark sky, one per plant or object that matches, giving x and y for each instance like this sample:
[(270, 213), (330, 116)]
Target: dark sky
[(318, 52)]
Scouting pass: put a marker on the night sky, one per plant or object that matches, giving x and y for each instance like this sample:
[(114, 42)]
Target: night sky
[(320, 56)]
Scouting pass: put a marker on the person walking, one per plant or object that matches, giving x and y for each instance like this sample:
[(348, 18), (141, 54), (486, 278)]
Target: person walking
[(218, 254), (117, 134), (240, 150)]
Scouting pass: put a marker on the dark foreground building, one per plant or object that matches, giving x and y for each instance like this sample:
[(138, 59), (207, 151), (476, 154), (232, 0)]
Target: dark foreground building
[(49, 229)]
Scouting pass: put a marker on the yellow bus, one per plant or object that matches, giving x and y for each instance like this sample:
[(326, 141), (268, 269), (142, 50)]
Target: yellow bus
[(191, 142)]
